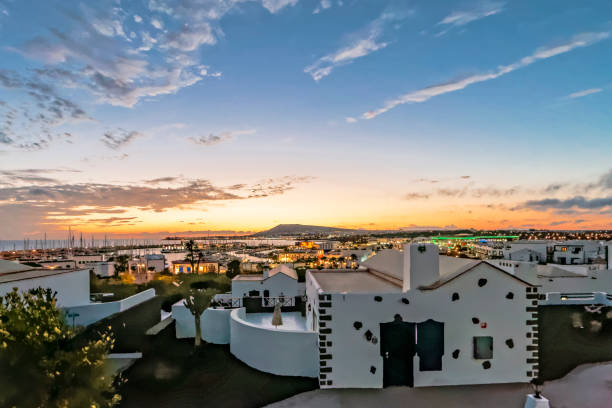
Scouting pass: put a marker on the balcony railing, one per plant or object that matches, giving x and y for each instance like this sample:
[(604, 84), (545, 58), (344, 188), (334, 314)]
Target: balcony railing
[(272, 301)]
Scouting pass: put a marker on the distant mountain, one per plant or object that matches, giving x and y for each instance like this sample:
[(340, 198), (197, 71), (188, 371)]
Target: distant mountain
[(299, 229)]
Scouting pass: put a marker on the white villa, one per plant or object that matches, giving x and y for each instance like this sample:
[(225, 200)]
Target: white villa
[(418, 319), (72, 287), (281, 281), (404, 318)]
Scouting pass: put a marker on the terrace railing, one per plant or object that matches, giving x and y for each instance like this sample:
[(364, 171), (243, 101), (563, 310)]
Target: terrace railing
[(282, 300), (226, 300)]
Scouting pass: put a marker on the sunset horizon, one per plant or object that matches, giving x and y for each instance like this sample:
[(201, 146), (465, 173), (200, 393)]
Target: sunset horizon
[(241, 115)]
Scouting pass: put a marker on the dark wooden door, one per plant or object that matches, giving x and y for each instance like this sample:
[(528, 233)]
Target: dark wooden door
[(430, 345), (397, 347)]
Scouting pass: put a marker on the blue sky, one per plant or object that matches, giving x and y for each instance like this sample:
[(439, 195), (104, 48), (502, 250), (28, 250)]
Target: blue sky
[(296, 101)]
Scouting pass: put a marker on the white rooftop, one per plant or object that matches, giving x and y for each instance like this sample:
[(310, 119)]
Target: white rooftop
[(283, 269), (352, 281), (12, 267), (12, 271)]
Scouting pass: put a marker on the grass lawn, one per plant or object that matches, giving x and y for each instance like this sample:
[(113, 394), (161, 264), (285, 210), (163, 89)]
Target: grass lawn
[(570, 336), (172, 374)]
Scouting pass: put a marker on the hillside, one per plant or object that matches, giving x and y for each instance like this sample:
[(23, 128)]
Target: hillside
[(299, 229)]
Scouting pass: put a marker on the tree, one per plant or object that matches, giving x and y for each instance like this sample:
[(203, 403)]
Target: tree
[(233, 269), (121, 264), (194, 255), (40, 364), (197, 302)]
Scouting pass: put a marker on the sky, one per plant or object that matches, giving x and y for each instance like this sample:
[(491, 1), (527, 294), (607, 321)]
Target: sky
[(148, 117)]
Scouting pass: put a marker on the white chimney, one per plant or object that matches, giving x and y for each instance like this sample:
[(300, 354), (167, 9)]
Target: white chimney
[(421, 265)]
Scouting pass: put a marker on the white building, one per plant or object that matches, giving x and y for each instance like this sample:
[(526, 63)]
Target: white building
[(415, 318), (525, 255), (565, 280), (104, 269), (488, 250), (71, 285), (155, 262), (578, 252), (87, 261), (537, 246), (281, 281)]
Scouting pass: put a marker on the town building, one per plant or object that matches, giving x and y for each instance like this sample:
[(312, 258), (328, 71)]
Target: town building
[(104, 269), (280, 281), (71, 287), (205, 266), (541, 247), (415, 318), (577, 252)]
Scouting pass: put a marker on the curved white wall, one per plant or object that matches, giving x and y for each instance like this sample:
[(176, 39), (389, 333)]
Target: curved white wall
[(215, 324), (276, 351)]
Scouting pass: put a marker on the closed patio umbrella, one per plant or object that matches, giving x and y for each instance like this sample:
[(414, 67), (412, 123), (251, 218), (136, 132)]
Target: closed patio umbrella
[(277, 319)]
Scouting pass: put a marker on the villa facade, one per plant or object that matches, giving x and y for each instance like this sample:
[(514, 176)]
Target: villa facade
[(414, 318), (281, 281)]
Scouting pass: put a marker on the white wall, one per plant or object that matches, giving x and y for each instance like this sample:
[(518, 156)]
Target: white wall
[(93, 312), (277, 285), (276, 351), (215, 323), (539, 247), (601, 283), (72, 287), (353, 355), (104, 269)]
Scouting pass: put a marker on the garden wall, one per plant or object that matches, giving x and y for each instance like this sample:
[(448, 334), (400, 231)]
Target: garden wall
[(92, 312), (215, 323), (276, 351)]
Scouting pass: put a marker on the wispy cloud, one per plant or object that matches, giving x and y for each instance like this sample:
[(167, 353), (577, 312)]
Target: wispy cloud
[(323, 5), (463, 17), (274, 6), (213, 139), (423, 95), (92, 48), (585, 92), (119, 138), (53, 203), (415, 196), (363, 43), (578, 202)]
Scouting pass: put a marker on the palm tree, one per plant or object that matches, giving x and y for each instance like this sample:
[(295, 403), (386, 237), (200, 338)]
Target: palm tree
[(194, 255), (197, 302), (121, 264)]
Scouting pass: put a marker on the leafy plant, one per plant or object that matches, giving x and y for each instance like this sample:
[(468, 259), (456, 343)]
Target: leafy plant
[(197, 302), (233, 269), (39, 364)]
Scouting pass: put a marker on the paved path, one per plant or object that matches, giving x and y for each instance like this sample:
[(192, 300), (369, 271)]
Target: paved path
[(588, 386)]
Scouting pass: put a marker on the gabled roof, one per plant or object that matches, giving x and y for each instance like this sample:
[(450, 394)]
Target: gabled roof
[(388, 261), (284, 269), (469, 267)]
